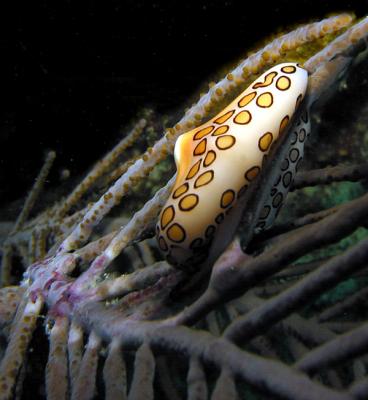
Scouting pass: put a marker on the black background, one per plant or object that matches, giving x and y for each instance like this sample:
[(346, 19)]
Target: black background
[(74, 72)]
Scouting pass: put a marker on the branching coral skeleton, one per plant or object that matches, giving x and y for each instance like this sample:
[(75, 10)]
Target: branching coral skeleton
[(68, 276)]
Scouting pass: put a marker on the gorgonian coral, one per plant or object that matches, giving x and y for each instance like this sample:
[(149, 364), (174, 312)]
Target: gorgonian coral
[(75, 280)]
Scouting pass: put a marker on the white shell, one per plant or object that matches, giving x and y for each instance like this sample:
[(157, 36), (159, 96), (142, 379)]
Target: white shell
[(240, 137)]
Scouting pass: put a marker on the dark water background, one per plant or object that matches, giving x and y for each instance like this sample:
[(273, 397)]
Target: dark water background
[(75, 72)]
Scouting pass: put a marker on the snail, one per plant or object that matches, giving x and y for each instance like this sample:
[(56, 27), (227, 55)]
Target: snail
[(219, 159)]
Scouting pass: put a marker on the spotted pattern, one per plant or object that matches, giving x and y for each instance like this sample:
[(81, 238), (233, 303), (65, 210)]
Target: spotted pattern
[(243, 118), (221, 130), (210, 158), (284, 122), (167, 216), (302, 135), (176, 233), (265, 212), (298, 164), (298, 101), (277, 200), (265, 100), (224, 117), (194, 170), (199, 202), (244, 101), (289, 69), (288, 169), (265, 141), (286, 179), (283, 83), (203, 132), (180, 190), (285, 164), (267, 81), (204, 179), (294, 138), (200, 148), (227, 198), (225, 142), (252, 173), (188, 202), (294, 155)]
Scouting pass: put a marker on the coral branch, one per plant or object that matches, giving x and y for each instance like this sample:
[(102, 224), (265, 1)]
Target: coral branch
[(144, 370), (132, 282), (360, 389), (144, 165), (196, 380), (336, 351), (57, 365), (115, 373), (85, 384), (75, 350), (266, 56), (139, 223), (314, 284), (35, 192), (10, 298), (225, 387), (6, 264), (278, 381), (227, 284), (132, 304), (339, 45), (359, 298), (101, 167), (21, 334), (327, 175)]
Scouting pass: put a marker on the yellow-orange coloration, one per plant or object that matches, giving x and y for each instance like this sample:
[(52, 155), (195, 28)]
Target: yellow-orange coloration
[(221, 130), (219, 159), (283, 83), (252, 173), (283, 123), (203, 179), (210, 158), (188, 202), (227, 198), (194, 170), (289, 69), (176, 233), (265, 141), (200, 148), (244, 117), (202, 133), (225, 142), (265, 100), (167, 216), (247, 99), (267, 82), (181, 190), (224, 117)]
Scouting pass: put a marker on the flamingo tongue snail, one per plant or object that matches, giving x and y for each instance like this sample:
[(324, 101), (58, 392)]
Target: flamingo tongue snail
[(218, 160)]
